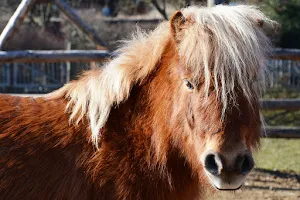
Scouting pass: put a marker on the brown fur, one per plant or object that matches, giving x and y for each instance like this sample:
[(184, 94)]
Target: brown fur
[(149, 147)]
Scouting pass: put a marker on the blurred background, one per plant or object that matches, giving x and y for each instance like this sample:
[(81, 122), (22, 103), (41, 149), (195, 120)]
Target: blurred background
[(45, 27)]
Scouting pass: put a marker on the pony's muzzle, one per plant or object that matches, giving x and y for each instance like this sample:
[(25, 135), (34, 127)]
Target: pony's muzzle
[(227, 172)]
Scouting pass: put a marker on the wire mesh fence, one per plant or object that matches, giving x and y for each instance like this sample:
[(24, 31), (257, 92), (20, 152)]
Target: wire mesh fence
[(37, 77)]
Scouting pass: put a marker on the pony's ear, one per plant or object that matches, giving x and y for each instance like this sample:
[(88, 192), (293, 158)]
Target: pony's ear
[(177, 21), (268, 26)]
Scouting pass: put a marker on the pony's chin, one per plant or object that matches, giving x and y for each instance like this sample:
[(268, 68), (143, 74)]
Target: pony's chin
[(224, 185), (228, 189)]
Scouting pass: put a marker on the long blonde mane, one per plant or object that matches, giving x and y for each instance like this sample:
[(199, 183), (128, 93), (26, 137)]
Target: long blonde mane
[(223, 44)]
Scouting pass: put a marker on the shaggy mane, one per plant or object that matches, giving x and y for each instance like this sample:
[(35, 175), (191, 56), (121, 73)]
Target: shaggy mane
[(222, 44)]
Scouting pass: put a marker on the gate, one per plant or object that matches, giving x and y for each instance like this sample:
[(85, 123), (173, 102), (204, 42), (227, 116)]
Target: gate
[(39, 77), (4, 75), (32, 77)]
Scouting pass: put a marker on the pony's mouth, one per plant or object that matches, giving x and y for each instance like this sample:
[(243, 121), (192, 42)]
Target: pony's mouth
[(226, 183), (228, 189)]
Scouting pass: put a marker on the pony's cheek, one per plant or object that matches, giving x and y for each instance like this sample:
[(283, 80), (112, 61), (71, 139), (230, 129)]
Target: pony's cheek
[(190, 118), (189, 113)]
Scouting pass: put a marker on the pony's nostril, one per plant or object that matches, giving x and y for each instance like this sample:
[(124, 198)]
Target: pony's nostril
[(245, 164), (211, 164)]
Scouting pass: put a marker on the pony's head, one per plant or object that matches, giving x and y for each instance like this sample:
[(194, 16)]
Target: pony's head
[(202, 74), (219, 76)]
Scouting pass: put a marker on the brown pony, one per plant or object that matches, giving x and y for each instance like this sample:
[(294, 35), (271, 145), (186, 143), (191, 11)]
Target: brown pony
[(173, 116)]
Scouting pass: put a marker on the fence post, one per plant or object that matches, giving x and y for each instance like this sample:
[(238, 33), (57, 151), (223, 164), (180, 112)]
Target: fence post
[(68, 65), (8, 68), (15, 76)]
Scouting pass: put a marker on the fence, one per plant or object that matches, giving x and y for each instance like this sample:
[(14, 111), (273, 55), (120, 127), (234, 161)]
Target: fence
[(284, 70), (284, 73), (33, 77), (4, 75), (41, 77)]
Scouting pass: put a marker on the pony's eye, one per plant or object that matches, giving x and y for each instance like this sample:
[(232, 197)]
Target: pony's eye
[(188, 84)]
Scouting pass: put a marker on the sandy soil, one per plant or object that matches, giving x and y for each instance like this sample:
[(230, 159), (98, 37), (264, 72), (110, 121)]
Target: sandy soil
[(266, 185)]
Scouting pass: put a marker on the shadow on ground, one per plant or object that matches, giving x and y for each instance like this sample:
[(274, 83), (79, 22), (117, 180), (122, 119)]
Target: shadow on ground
[(266, 185)]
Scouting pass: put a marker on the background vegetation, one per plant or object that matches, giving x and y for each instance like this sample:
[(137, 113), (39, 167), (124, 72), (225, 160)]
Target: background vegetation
[(287, 13)]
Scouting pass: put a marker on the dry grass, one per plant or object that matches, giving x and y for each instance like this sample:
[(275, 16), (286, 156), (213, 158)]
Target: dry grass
[(279, 154)]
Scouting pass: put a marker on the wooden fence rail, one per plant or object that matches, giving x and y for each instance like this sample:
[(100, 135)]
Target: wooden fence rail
[(95, 55), (281, 131), (281, 104), (286, 54), (53, 56)]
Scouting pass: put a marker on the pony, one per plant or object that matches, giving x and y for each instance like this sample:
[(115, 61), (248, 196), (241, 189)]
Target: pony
[(174, 115)]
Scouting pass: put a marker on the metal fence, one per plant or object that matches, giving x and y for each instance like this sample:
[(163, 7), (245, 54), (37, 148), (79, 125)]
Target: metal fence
[(45, 77), (32, 77), (38, 77), (4, 75)]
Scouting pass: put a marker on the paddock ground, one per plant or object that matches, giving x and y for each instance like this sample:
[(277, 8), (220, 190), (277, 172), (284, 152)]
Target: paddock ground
[(266, 185)]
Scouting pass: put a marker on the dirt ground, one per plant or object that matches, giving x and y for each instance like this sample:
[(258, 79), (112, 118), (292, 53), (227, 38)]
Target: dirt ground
[(266, 185)]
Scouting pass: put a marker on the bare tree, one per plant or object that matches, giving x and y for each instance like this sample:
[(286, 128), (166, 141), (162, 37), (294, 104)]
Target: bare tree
[(162, 10), (187, 2)]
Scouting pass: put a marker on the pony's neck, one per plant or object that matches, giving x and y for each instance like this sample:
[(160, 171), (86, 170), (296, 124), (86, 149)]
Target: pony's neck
[(138, 129), (145, 115), (132, 137)]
